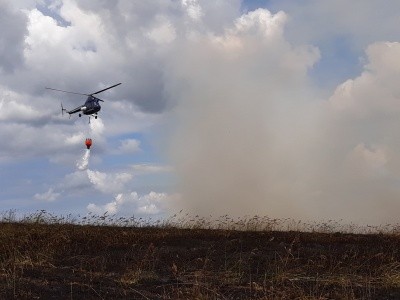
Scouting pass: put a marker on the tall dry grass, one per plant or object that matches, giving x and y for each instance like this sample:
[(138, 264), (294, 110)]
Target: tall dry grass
[(45, 256)]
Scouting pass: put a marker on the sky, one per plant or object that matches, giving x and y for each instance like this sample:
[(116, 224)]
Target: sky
[(282, 108)]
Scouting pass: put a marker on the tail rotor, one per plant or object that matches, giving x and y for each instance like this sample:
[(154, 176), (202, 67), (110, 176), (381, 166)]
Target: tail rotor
[(64, 110)]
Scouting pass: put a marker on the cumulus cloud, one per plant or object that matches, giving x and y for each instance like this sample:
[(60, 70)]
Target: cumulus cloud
[(109, 183), (251, 133), (376, 89), (131, 203), (17, 111), (129, 146), (12, 35), (309, 20), (76, 181), (358, 157), (48, 196), (163, 32), (151, 168), (193, 9), (101, 45), (126, 202)]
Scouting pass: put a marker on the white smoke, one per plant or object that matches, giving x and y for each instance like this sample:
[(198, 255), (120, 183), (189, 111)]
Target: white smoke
[(243, 101), (253, 137)]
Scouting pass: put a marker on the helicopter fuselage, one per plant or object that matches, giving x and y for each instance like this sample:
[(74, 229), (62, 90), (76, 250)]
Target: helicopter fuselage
[(90, 107)]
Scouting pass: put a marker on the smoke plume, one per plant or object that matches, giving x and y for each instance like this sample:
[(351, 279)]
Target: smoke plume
[(242, 127), (253, 136)]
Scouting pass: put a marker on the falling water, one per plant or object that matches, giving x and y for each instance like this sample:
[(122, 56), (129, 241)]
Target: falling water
[(83, 163)]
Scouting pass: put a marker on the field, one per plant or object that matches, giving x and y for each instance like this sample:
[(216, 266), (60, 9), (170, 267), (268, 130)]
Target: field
[(100, 257)]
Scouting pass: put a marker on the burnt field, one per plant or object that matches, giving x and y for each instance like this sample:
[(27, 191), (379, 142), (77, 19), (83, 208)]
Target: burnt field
[(48, 258)]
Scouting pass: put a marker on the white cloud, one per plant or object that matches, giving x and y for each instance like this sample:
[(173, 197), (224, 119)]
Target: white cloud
[(12, 110), (309, 20), (75, 138), (52, 34), (262, 21), (48, 196), (251, 134), (109, 183), (19, 108), (133, 204), (129, 146), (151, 169), (12, 39), (163, 33), (77, 180), (193, 9), (358, 156), (376, 89)]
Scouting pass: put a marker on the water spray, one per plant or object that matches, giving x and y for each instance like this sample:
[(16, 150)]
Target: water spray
[(83, 163)]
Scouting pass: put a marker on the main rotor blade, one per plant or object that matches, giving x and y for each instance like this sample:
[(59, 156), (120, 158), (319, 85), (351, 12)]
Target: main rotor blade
[(105, 89), (67, 92)]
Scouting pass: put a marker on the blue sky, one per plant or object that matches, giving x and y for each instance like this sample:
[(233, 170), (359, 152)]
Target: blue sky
[(285, 108)]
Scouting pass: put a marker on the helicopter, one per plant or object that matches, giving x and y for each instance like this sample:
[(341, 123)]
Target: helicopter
[(91, 106)]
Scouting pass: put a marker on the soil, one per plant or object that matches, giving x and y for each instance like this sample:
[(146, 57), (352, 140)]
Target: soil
[(64, 261)]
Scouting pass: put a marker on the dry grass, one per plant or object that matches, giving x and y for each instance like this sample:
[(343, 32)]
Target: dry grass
[(43, 256)]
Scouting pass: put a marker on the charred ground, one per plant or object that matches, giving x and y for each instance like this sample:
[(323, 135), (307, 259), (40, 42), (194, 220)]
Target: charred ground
[(55, 260)]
